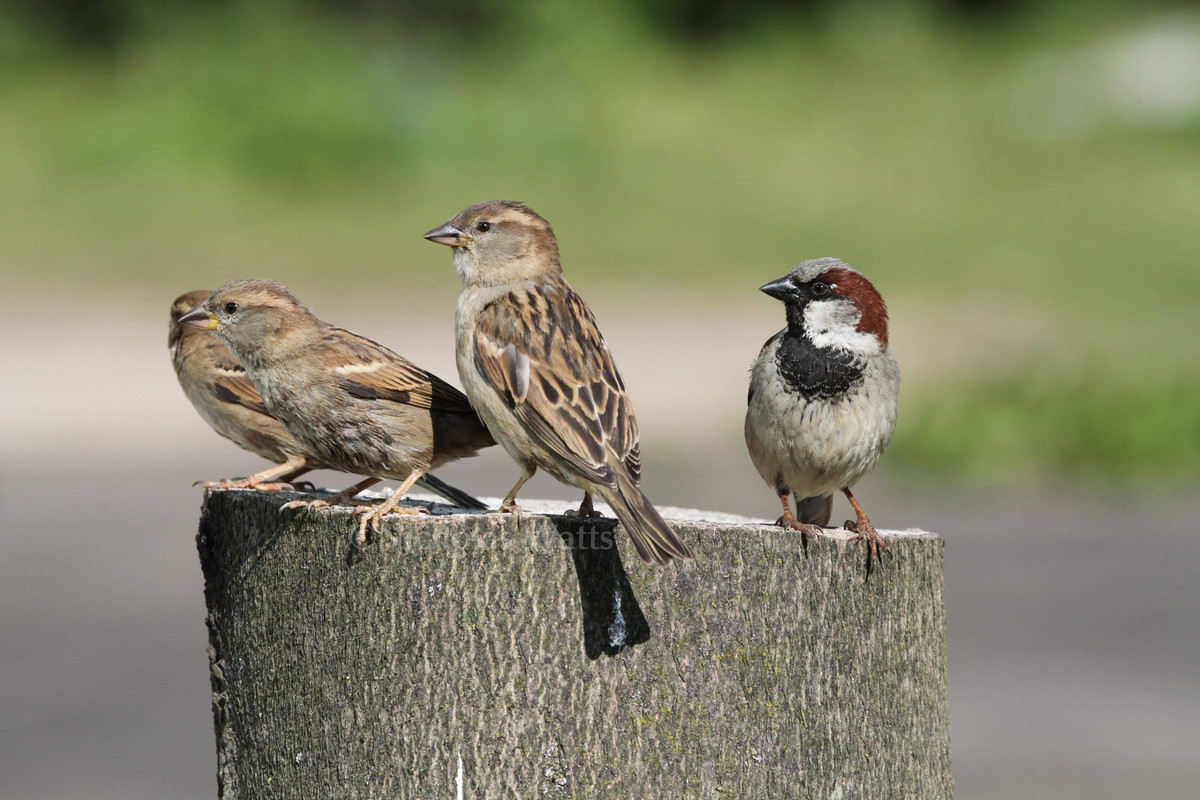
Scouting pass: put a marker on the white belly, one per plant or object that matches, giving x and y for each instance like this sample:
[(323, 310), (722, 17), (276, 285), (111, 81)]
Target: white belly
[(819, 447)]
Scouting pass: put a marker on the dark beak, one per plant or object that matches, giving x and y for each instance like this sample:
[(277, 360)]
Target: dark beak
[(199, 318), (781, 289), (448, 235)]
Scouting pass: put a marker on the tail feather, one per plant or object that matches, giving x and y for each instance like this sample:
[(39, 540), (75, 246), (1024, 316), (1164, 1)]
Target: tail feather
[(456, 496), (654, 539), (815, 510)]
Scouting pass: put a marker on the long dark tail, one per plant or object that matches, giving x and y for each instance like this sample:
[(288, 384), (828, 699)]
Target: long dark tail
[(456, 496), (815, 510), (654, 539)]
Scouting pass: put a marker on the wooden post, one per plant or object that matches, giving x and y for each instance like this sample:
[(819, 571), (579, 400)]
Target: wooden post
[(475, 656)]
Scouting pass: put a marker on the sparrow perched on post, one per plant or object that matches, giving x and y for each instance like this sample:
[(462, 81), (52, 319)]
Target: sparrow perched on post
[(225, 397), (539, 373), (217, 385), (822, 403), (351, 403)]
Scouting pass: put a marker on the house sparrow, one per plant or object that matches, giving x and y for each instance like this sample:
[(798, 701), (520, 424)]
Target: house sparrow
[(352, 404), (822, 403), (218, 387), (539, 373), (221, 391)]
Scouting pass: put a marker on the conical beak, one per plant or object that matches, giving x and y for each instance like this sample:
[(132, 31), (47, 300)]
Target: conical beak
[(780, 289), (448, 235), (199, 318)]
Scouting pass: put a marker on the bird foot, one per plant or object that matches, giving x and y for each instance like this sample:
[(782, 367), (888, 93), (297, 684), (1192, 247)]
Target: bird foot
[(304, 504), (876, 547), (245, 483), (585, 510), (371, 516), (508, 507), (789, 522), (581, 513), (272, 487)]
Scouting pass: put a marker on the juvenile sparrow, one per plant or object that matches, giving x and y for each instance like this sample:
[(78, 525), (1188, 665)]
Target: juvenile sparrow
[(539, 373), (217, 385), (352, 404), (822, 403), (221, 391)]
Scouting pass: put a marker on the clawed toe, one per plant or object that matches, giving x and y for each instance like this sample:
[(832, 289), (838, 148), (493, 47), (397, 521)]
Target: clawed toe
[(221, 484), (575, 512), (807, 529), (245, 483), (272, 487), (370, 516), (876, 547), (585, 511), (365, 518), (376, 513), (304, 504), (789, 522)]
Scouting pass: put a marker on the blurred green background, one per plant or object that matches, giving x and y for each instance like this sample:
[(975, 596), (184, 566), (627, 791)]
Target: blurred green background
[(1020, 179)]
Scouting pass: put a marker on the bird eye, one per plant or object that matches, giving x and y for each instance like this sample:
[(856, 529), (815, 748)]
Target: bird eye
[(483, 226), (818, 289), (231, 308)]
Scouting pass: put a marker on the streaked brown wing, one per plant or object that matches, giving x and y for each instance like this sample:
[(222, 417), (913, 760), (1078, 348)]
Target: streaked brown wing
[(633, 463), (540, 350), (370, 371), (229, 387), (231, 383)]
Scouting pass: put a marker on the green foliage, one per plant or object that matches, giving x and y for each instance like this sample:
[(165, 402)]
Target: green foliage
[(952, 163), (902, 144), (1052, 428)]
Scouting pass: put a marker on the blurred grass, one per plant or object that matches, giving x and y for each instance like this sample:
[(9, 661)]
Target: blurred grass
[(1029, 429), (951, 162)]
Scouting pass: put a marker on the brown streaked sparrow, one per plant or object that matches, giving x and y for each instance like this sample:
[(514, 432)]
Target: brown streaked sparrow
[(224, 396), (539, 373), (823, 392), (217, 385), (351, 403)]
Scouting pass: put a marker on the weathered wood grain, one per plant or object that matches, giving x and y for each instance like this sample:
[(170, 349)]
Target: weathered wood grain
[(527, 657)]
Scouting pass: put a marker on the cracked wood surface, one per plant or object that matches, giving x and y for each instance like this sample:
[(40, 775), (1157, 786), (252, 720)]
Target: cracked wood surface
[(530, 658)]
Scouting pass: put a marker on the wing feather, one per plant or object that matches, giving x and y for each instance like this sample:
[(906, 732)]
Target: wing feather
[(230, 382), (238, 390), (369, 371), (539, 348)]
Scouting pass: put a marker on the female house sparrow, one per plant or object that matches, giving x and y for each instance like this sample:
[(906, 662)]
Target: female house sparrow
[(822, 404), (353, 404), (539, 373), (218, 387), (221, 391)]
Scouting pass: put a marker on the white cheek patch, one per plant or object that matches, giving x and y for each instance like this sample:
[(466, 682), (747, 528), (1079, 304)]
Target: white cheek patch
[(833, 323)]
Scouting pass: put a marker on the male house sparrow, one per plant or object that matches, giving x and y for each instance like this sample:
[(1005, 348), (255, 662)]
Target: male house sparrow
[(822, 404), (352, 404), (539, 373)]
